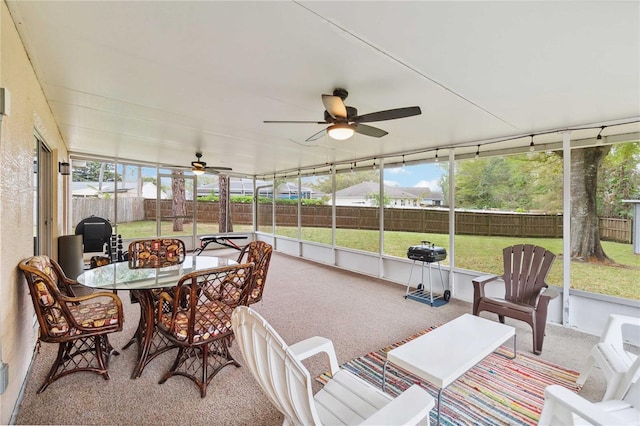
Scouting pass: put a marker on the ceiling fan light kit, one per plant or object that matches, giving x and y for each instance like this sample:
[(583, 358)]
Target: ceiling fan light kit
[(341, 131), (199, 167)]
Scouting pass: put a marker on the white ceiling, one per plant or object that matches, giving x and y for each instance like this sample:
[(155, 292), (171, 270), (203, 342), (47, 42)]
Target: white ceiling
[(157, 81)]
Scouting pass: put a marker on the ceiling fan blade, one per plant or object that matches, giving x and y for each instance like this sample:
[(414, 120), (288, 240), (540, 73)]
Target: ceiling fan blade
[(308, 122), (221, 169), (316, 135), (334, 106), (390, 114), (363, 129), (304, 143)]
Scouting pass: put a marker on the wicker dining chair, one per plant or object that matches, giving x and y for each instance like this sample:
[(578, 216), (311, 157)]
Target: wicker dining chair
[(153, 253), (79, 325), (156, 253), (259, 253), (196, 316)]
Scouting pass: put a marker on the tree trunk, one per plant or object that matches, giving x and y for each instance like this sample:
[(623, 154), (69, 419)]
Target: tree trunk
[(225, 224), (178, 205), (101, 177), (139, 183), (585, 231)]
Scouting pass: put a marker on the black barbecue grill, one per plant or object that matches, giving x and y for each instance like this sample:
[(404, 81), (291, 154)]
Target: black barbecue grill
[(427, 253)]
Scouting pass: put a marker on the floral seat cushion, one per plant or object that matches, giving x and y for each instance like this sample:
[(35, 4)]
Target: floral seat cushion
[(95, 314), (88, 315)]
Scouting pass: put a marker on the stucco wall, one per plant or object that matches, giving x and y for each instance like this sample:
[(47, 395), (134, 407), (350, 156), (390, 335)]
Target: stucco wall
[(29, 112)]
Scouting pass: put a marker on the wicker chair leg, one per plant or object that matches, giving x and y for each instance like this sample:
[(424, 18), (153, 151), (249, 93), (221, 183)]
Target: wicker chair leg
[(201, 374), (103, 353), (110, 350), (203, 383), (77, 355), (51, 376)]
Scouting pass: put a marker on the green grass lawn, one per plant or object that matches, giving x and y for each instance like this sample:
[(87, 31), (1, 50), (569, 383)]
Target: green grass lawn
[(476, 253)]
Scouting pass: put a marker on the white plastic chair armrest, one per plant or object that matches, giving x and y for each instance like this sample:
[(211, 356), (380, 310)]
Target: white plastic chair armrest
[(576, 404), (314, 345), (613, 330), (625, 319), (409, 408)]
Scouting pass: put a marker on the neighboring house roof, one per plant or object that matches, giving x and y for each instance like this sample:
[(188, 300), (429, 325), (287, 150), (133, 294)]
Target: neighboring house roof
[(359, 190), (244, 186), (363, 189), (150, 190), (237, 186), (90, 189), (106, 186), (424, 192), (85, 192), (291, 189)]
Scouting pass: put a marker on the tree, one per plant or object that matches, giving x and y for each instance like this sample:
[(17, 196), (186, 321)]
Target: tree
[(224, 224), (178, 205), (522, 182), (546, 177), (585, 230), (505, 183), (93, 170), (444, 184), (619, 179), (479, 183)]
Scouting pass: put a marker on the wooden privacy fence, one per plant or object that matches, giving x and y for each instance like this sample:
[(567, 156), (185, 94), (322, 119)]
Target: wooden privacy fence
[(130, 209), (434, 221), (619, 230)]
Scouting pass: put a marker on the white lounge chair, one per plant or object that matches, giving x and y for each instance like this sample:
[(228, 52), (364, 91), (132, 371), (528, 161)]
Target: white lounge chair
[(345, 399)]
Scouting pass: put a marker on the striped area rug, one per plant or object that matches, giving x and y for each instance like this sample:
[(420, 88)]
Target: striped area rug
[(497, 391)]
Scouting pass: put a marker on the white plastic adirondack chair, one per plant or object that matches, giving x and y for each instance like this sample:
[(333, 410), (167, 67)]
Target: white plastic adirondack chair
[(345, 399), (609, 354)]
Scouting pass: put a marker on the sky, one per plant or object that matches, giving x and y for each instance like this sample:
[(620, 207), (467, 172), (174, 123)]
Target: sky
[(422, 175)]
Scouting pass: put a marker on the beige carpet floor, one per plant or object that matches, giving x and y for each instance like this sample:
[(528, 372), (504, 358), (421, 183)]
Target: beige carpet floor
[(360, 314)]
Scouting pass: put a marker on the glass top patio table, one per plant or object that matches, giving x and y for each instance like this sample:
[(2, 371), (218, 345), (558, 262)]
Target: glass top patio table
[(120, 276), (141, 282)]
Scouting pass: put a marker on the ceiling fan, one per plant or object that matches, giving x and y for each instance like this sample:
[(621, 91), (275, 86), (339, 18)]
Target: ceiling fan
[(199, 167), (344, 120)]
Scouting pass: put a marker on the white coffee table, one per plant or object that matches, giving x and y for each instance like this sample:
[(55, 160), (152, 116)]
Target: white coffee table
[(443, 355)]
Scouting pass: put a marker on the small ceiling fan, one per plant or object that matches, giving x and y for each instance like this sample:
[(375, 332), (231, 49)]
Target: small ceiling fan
[(344, 120), (199, 167)]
